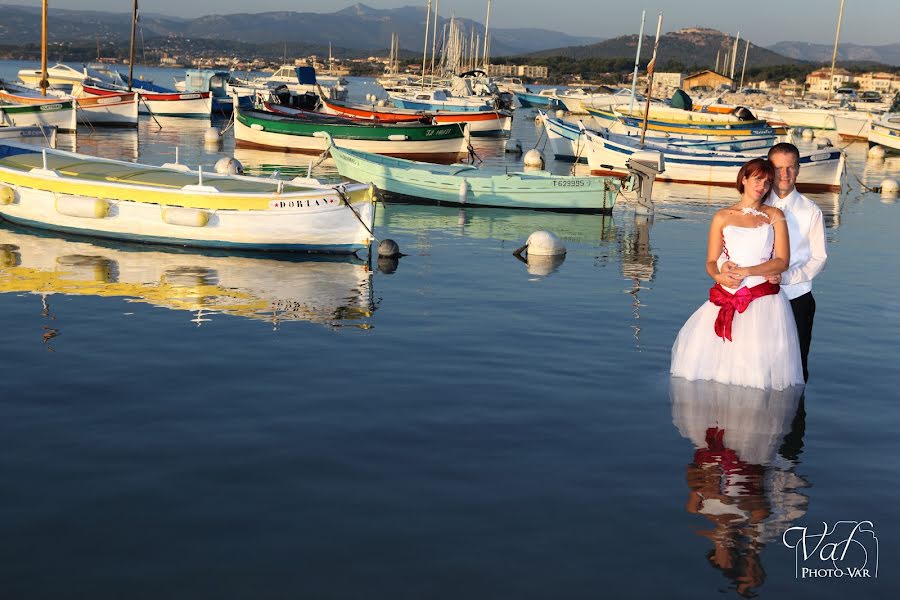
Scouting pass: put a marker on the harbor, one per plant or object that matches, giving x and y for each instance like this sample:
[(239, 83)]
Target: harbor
[(455, 419)]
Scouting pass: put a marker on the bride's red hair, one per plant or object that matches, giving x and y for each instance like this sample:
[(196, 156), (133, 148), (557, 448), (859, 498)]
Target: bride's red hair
[(752, 168)]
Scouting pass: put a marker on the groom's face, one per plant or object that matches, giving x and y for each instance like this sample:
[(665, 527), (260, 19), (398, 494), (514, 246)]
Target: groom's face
[(786, 170)]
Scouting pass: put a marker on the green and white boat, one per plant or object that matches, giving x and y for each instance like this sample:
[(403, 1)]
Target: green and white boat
[(53, 112), (260, 129), (466, 185)]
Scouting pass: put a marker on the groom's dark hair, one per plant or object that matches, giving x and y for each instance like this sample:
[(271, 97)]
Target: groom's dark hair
[(784, 148)]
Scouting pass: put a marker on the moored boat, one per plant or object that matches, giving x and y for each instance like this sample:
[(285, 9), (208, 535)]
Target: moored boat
[(53, 112), (885, 132), (75, 193), (115, 110), (466, 185), (258, 129), (819, 171)]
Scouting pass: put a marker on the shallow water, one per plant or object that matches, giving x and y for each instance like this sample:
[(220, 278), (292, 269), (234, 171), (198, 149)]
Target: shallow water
[(190, 424)]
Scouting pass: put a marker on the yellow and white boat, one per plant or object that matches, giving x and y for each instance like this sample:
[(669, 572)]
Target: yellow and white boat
[(86, 195)]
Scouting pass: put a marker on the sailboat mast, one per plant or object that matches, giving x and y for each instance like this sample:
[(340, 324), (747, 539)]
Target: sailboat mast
[(487, 24), (744, 66), (134, 11), (837, 35), (637, 59), (651, 66), (434, 39), (425, 47), (734, 50), (44, 82)]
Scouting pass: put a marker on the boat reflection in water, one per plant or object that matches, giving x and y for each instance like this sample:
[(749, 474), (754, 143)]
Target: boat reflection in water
[(747, 442), (331, 291), (496, 223)]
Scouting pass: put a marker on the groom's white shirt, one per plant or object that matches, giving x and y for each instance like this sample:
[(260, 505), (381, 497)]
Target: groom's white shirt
[(806, 229)]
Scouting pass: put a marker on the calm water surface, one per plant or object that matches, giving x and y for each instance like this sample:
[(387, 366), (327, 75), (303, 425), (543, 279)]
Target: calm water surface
[(193, 425)]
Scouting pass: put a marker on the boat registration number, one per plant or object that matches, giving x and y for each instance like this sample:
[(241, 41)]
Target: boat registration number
[(431, 132), (569, 183)]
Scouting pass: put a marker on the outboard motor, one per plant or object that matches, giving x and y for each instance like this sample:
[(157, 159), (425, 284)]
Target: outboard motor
[(743, 113), (644, 166), (505, 101)]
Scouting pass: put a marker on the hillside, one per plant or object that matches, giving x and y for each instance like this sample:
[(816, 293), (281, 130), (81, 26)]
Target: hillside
[(356, 30), (693, 48), (821, 53)]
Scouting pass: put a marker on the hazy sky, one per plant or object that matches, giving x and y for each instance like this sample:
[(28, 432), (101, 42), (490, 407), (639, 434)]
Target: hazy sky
[(870, 22)]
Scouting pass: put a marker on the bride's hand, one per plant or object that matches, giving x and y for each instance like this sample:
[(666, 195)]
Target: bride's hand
[(732, 274)]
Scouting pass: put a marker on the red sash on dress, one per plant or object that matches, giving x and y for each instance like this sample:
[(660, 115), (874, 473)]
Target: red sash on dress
[(738, 301)]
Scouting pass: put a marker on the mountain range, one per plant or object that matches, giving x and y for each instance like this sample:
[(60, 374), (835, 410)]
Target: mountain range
[(359, 30)]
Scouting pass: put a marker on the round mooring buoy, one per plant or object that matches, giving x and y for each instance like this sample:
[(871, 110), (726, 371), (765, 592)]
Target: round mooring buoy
[(212, 136), (389, 249), (877, 152), (806, 134), (890, 187), (534, 159), (560, 113), (229, 166), (545, 243)]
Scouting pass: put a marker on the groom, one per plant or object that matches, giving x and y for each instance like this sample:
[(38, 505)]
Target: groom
[(806, 229)]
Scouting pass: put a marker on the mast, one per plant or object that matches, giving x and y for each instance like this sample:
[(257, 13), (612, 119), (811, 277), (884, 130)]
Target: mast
[(487, 24), (637, 59), (837, 35), (425, 46), (744, 66), (434, 40), (651, 66), (44, 82), (131, 52), (734, 50)]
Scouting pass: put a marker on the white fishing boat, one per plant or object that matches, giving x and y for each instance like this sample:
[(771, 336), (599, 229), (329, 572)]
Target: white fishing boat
[(101, 198), (301, 80), (885, 132), (114, 110), (821, 170), (52, 113)]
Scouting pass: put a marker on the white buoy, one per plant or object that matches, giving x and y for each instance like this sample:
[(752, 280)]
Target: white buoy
[(545, 243), (876, 152), (806, 134), (534, 159), (212, 136), (514, 146), (560, 113), (890, 187), (463, 191), (229, 166), (538, 119)]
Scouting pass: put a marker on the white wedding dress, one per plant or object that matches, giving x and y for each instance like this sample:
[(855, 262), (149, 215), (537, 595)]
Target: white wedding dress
[(765, 352)]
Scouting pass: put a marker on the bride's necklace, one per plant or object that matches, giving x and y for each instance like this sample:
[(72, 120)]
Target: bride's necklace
[(749, 210)]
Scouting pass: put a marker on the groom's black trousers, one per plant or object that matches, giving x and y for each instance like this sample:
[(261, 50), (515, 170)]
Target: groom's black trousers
[(804, 308)]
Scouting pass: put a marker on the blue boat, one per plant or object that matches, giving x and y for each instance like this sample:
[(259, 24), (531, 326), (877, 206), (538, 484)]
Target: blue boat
[(208, 80)]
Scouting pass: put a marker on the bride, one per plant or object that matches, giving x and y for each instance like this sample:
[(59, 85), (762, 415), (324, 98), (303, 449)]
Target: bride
[(745, 334)]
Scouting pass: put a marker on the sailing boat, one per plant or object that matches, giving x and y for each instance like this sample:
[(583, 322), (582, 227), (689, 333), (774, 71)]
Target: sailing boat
[(155, 100)]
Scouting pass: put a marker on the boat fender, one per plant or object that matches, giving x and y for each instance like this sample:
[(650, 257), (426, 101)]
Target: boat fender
[(7, 195), (186, 217), (463, 191), (84, 207), (397, 138)]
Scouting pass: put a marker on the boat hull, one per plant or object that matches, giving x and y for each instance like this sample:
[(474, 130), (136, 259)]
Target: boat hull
[(90, 196), (820, 171), (463, 185), (885, 136), (61, 114), (440, 143)]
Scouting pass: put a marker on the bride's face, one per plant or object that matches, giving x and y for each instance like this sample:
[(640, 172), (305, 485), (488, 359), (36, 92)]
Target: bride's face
[(757, 186)]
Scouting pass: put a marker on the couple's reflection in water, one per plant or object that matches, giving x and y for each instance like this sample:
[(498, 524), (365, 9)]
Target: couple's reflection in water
[(742, 478)]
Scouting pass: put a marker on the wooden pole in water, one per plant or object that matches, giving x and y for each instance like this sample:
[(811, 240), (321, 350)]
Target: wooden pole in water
[(44, 82), (131, 52), (837, 35), (425, 48), (651, 66)]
